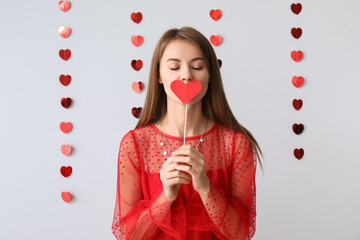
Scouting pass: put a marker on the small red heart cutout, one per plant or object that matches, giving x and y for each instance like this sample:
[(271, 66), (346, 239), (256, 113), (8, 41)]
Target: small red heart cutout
[(136, 17), (136, 64), (299, 153), (296, 8), (296, 55), (215, 14), (137, 40), (64, 5), (64, 32), (298, 128), (65, 54), (66, 127), (220, 63), (137, 86), (66, 196), (65, 80), (66, 171), (296, 32), (297, 81), (186, 92), (297, 103), (136, 111), (216, 40), (65, 102), (66, 149)]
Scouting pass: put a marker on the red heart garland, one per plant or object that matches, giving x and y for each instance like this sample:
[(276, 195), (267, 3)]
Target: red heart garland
[(65, 102), (296, 32), (298, 128), (137, 40), (64, 5), (186, 92), (216, 40), (66, 196), (296, 8), (66, 171), (215, 14), (66, 149), (296, 55), (137, 86), (136, 64), (297, 103), (220, 63), (65, 80), (64, 32), (299, 153), (136, 111), (65, 54), (136, 17), (66, 127), (297, 81)]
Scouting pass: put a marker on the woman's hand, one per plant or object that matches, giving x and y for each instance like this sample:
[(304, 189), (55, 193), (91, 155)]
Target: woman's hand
[(189, 159), (172, 179)]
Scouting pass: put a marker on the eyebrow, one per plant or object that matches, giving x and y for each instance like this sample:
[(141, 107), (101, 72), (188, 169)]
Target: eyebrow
[(178, 60)]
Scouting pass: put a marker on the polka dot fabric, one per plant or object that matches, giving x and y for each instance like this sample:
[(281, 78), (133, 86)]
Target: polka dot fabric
[(142, 210)]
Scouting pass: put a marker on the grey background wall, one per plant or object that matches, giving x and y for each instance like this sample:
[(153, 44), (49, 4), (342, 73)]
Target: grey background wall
[(316, 197)]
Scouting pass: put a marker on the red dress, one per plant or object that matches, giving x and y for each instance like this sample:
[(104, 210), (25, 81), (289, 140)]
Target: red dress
[(142, 210)]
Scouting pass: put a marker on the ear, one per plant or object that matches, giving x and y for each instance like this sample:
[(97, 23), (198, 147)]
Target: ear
[(159, 80)]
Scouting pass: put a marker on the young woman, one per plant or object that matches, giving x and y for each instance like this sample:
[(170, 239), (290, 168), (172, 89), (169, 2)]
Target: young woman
[(204, 189)]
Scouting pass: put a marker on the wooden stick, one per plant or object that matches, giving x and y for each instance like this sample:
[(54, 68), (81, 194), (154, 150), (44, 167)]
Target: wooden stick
[(185, 122)]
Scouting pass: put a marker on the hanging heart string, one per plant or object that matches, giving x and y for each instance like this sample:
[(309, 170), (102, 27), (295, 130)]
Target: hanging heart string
[(186, 92)]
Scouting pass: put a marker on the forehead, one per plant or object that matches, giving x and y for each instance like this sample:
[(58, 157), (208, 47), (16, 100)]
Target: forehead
[(181, 49)]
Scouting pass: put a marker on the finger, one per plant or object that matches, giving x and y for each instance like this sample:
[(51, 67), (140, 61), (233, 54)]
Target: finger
[(183, 159), (185, 168), (178, 174), (167, 162), (183, 150), (175, 181)]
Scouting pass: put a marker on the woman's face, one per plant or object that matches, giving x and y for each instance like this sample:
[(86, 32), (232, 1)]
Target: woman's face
[(183, 60)]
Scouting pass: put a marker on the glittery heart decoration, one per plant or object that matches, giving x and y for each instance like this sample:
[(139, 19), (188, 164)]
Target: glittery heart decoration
[(66, 171), (298, 128), (296, 32), (296, 8), (65, 54), (137, 86), (297, 81), (64, 5), (65, 127), (216, 40), (64, 32), (136, 64), (299, 153), (137, 40), (296, 55), (215, 14), (65, 102), (186, 92), (136, 111), (220, 63), (136, 17), (66, 149), (297, 103), (66, 196), (65, 80)]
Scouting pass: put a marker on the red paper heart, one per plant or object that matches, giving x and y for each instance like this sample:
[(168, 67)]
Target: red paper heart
[(296, 32), (220, 63), (137, 86), (66, 127), (299, 153), (66, 171), (65, 102), (65, 80), (215, 14), (296, 8), (66, 196), (64, 5), (297, 81), (65, 54), (137, 40), (64, 32), (66, 149), (297, 104), (216, 40), (296, 55), (136, 17), (136, 111), (186, 92), (136, 64), (298, 128)]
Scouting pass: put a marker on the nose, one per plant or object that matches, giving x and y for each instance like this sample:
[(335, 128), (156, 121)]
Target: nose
[(186, 74)]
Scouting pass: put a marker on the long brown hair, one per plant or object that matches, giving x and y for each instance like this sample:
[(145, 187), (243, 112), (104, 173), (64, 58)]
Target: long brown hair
[(214, 103)]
